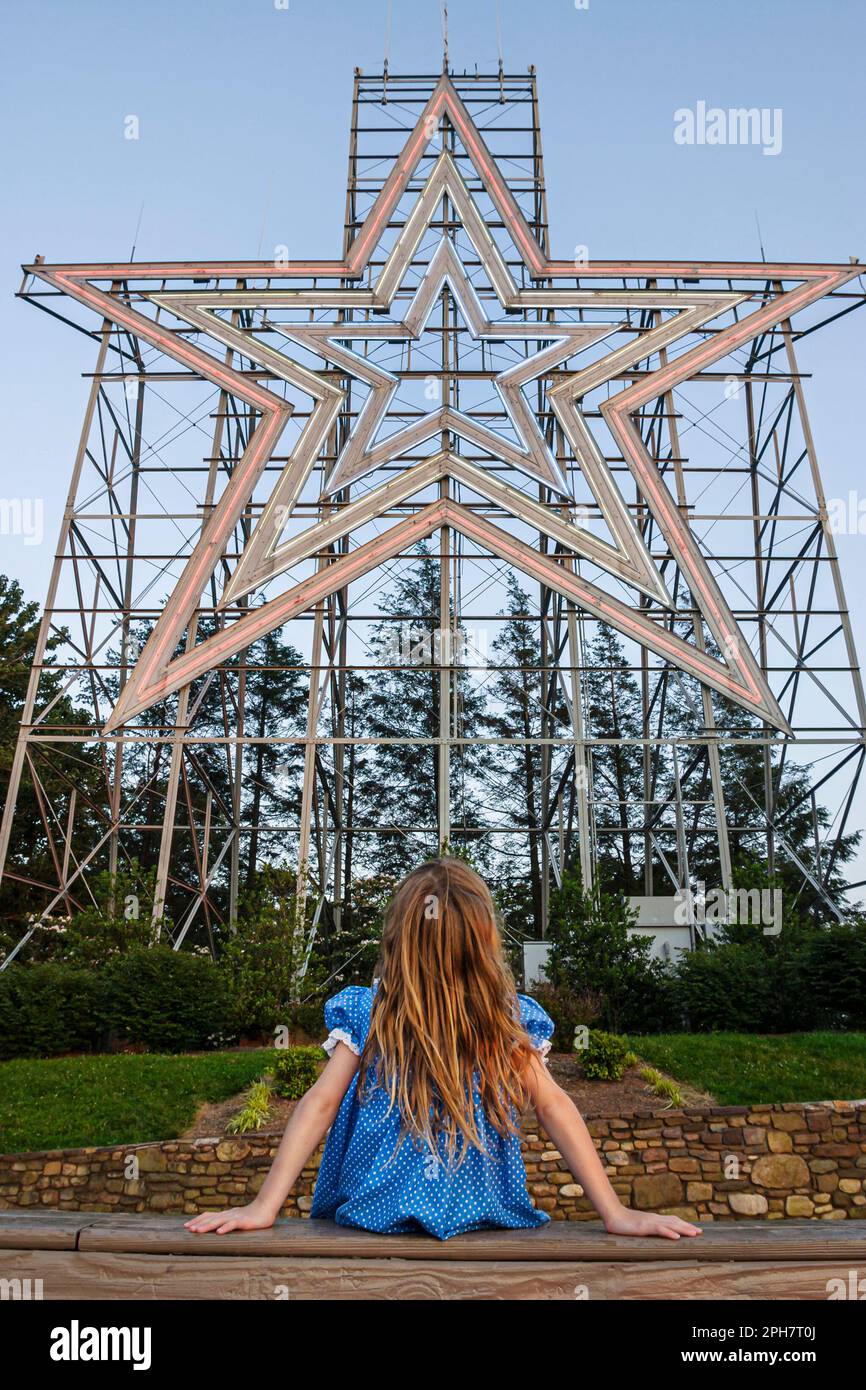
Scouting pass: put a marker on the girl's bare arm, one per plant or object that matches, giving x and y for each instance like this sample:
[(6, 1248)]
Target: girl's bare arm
[(308, 1124), (562, 1120)]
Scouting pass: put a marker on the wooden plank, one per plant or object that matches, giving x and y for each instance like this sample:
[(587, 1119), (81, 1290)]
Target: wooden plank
[(562, 1240), (156, 1233), (106, 1276), (41, 1230)]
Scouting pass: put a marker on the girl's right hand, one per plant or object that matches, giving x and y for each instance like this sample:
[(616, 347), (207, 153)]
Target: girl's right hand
[(253, 1217)]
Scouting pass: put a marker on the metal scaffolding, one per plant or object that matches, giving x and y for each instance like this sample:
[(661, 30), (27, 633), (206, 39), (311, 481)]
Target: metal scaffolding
[(630, 438)]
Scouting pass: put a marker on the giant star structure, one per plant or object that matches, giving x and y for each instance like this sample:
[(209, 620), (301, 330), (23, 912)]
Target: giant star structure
[(736, 674)]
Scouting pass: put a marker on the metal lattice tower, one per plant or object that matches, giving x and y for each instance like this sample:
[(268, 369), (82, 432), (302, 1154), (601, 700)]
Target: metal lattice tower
[(167, 436)]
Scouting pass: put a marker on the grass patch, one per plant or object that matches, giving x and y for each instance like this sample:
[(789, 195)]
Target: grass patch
[(73, 1102), (754, 1069)]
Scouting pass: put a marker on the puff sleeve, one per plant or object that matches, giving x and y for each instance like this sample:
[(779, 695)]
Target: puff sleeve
[(347, 1018), (538, 1024)]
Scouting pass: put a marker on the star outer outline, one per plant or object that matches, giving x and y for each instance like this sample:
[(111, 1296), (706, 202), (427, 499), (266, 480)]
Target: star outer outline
[(445, 264), (818, 279), (446, 178)]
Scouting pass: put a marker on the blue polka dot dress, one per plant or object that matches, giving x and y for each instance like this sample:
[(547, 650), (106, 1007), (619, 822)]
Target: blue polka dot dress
[(362, 1184)]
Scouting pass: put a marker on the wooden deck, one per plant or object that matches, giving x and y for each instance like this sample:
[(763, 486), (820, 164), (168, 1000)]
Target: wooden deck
[(94, 1256)]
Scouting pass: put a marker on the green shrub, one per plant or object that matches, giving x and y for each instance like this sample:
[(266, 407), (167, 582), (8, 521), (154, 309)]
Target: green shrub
[(652, 1076), (724, 988), (118, 920), (568, 1010), (605, 1056), (256, 1111), (591, 950), (294, 1070), (750, 985), (168, 1001), (49, 1009), (662, 1086), (263, 962), (837, 975), (308, 1018), (805, 978)]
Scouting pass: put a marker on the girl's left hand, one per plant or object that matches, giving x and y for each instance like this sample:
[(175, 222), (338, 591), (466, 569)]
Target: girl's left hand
[(253, 1217), (626, 1222)]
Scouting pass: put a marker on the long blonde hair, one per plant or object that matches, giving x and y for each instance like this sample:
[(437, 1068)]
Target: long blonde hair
[(445, 1016)]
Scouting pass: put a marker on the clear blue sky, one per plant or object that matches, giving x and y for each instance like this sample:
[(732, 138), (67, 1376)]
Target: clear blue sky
[(244, 109)]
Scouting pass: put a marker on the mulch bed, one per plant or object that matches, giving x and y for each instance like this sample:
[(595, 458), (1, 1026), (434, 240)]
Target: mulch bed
[(630, 1096), (211, 1120), (594, 1100)]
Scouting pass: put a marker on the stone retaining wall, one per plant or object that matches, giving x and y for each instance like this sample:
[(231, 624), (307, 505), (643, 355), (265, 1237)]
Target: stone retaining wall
[(721, 1163)]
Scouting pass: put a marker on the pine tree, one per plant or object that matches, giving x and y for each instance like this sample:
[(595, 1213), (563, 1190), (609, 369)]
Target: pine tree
[(274, 706), (31, 869), (397, 785), (613, 710), (514, 778)]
